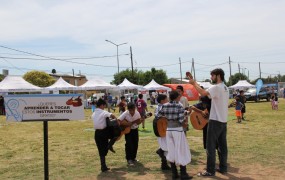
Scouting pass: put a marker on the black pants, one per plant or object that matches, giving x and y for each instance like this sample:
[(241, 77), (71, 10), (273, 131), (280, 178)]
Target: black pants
[(101, 139), (217, 137), (132, 142), (205, 130)]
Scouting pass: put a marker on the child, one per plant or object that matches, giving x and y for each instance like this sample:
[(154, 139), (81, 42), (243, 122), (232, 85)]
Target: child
[(101, 131), (177, 143), (274, 102), (162, 99), (238, 108), (133, 118), (122, 105), (142, 108)]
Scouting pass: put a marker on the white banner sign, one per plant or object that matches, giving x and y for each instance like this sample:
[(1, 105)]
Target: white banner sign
[(44, 107)]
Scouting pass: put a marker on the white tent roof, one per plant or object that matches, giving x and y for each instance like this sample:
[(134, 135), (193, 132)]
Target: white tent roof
[(126, 84), (17, 84), (61, 84), (206, 85), (96, 84), (155, 86), (242, 84)]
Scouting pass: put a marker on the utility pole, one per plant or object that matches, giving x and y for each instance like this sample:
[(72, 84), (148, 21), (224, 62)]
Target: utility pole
[(193, 68), (230, 79), (132, 62), (238, 68), (180, 70), (73, 77), (259, 70)]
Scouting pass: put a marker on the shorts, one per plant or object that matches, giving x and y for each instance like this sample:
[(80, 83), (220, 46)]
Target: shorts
[(238, 113), (142, 114)]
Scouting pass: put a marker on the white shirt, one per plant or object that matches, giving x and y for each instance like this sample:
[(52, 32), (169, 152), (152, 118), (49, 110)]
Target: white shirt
[(184, 101), (219, 94), (126, 115), (99, 118)]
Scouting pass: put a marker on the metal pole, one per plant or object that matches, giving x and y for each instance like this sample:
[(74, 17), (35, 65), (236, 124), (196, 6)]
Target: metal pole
[(117, 51), (180, 71), (45, 128), (118, 58)]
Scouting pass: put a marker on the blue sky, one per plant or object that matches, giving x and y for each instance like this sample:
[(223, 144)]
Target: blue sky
[(159, 32)]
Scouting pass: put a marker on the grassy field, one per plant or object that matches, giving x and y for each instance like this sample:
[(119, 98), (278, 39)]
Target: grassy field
[(256, 149)]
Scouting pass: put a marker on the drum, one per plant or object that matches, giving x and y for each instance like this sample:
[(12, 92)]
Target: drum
[(114, 128)]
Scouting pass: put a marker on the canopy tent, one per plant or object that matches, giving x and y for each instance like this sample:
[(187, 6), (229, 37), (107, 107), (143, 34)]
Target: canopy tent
[(96, 84), (155, 86), (206, 85), (126, 84), (17, 84), (189, 91), (242, 84), (61, 84)]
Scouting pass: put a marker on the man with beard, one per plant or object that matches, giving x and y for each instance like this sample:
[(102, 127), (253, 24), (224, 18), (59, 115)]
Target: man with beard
[(217, 125)]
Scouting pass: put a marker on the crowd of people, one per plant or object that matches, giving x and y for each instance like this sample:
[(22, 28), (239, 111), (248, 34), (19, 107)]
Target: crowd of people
[(174, 147)]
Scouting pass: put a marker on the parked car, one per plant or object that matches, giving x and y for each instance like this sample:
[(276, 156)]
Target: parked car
[(264, 93)]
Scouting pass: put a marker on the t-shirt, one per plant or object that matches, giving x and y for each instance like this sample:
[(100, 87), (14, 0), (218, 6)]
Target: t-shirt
[(99, 118), (141, 105), (238, 105), (219, 94), (184, 101), (110, 99), (126, 115), (122, 107)]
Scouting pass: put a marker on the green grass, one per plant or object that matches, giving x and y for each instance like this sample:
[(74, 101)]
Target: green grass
[(74, 155)]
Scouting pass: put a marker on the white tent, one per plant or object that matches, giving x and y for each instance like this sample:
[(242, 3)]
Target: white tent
[(206, 85), (17, 84), (96, 84), (155, 86), (126, 84), (61, 84), (242, 84)]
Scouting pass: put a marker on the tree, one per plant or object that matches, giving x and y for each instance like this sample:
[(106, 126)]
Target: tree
[(1, 77), (158, 75), (39, 78), (236, 77), (140, 77), (53, 71)]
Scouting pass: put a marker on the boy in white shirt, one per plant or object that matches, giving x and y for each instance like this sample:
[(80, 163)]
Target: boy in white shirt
[(102, 133), (131, 118)]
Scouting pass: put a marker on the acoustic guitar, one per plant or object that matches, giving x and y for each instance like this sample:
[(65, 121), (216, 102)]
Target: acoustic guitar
[(198, 121), (160, 126), (126, 127)]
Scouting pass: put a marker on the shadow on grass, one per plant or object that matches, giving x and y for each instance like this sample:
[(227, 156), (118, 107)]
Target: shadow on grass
[(120, 173)]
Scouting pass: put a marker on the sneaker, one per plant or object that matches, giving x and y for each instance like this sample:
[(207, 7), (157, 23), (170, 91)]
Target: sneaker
[(131, 163), (136, 160), (205, 174), (105, 168), (222, 172)]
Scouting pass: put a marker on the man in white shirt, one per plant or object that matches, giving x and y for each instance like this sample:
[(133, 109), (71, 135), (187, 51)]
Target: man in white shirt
[(217, 125), (102, 132), (131, 118)]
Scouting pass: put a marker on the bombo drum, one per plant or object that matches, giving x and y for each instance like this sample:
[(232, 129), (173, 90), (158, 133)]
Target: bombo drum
[(112, 122)]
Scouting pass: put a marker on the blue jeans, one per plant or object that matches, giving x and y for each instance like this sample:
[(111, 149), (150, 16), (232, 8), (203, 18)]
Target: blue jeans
[(217, 138)]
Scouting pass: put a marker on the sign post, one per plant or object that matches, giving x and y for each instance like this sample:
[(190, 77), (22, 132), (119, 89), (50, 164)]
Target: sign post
[(44, 107), (45, 124)]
